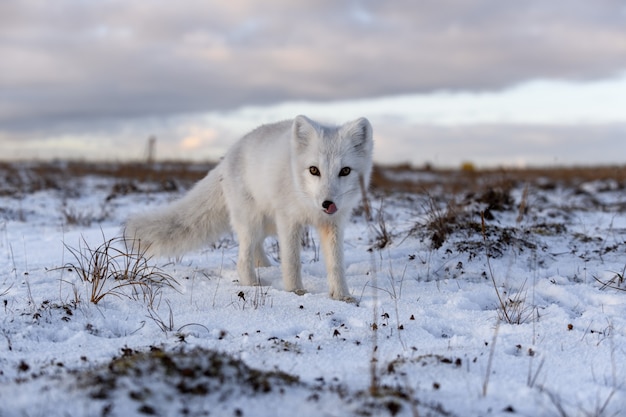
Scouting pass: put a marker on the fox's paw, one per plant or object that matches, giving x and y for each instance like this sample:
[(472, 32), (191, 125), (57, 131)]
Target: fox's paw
[(341, 296), (348, 299)]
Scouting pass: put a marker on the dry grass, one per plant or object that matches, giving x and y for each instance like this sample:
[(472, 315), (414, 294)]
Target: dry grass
[(109, 269), (19, 178), (384, 178), (24, 177)]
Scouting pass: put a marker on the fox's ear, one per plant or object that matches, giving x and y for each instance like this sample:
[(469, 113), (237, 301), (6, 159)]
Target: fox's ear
[(360, 132), (304, 129)]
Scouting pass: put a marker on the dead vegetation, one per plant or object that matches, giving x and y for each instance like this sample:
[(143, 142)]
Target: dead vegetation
[(404, 178), (20, 178), (110, 268), (25, 177)]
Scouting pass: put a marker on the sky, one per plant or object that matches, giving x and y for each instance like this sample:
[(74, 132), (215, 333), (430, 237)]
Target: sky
[(492, 82)]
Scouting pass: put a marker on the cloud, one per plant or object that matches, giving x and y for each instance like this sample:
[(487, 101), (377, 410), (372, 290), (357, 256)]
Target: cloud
[(496, 145), (198, 138), (71, 59)]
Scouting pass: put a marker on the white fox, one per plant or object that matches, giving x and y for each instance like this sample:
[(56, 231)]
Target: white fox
[(277, 179)]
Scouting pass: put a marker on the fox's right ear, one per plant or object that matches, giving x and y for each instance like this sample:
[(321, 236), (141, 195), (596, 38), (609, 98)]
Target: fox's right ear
[(303, 130)]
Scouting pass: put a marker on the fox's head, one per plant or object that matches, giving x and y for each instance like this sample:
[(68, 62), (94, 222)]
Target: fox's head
[(329, 163)]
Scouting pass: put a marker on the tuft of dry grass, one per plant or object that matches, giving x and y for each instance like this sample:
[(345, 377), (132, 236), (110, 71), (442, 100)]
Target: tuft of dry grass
[(440, 221), (75, 217), (617, 282), (109, 270), (513, 309)]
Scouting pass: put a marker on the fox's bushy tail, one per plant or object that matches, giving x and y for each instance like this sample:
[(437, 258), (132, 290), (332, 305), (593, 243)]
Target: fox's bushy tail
[(198, 218)]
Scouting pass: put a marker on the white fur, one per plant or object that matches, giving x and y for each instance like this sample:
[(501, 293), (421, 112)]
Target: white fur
[(264, 186)]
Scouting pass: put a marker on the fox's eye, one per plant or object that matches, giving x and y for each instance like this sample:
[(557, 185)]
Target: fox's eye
[(314, 171), (345, 171)]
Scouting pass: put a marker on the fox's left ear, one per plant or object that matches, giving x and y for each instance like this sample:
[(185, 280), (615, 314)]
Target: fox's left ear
[(360, 131)]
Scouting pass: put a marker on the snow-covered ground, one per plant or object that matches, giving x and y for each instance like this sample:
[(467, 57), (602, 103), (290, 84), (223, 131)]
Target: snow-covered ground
[(537, 328)]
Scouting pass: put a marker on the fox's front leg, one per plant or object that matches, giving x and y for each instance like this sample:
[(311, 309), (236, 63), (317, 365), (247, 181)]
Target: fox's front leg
[(289, 238), (331, 236), (246, 258)]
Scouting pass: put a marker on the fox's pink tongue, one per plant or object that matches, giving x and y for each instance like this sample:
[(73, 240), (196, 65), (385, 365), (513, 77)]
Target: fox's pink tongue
[(331, 208)]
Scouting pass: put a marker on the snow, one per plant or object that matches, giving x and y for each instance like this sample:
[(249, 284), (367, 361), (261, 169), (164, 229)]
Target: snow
[(426, 336)]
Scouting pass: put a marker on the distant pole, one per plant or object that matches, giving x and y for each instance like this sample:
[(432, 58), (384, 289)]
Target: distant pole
[(151, 151)]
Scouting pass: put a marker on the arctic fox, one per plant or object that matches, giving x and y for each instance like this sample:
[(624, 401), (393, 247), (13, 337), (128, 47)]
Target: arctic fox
[(277, 179)]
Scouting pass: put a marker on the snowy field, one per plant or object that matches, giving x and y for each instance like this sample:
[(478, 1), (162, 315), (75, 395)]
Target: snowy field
[(520, 314)]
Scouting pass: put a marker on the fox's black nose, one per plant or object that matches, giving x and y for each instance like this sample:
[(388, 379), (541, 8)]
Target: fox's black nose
[(329, 207)]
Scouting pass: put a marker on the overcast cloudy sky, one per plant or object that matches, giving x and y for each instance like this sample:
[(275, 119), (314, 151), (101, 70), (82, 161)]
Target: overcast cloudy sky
[(442, 81)]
